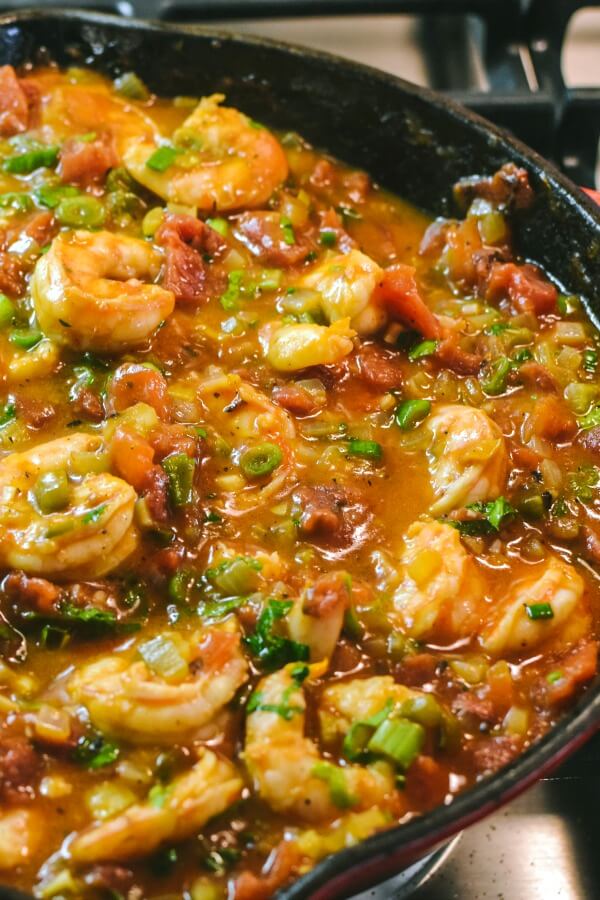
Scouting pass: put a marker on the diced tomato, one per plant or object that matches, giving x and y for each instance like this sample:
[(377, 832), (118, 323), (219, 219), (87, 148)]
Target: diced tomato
[(279, 867), (133, 383), (84, 162), (185, 239), (525, 286), (574, 669), (379, 368), (12, 278), (295, 399), (132, 457), (427, 782), (329, 592), (399, 293), (167, 439), (217, 648), (553, 420), (38, 593), (263, 235), (41, 227), (452, 356), (14, 105)]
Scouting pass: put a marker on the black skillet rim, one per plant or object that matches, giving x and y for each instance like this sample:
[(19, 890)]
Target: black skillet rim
[(384, 854)]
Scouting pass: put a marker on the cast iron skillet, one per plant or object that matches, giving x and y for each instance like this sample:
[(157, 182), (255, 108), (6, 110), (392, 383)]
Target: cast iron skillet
[(415, 143)]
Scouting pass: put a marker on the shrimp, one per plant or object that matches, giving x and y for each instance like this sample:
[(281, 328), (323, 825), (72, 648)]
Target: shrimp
[(224, 161), (346, 284), (21, 833), (93, 291), (80, 109), (289, 772), (467, 455), (128, 698), (90, 532), (441, 592), (298, 346), (181, 809), (358, 700), (559, 588), (242, 416)]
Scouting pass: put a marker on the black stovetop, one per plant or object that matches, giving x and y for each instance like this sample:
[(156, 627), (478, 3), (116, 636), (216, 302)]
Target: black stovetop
[(543, 846)]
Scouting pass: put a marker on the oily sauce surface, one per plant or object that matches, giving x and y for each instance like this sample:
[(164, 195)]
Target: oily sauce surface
[(298, 496)]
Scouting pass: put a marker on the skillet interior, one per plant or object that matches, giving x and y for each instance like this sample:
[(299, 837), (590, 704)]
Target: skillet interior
[(416, 144)]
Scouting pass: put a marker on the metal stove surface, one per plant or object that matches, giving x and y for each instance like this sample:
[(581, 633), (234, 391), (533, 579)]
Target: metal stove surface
[(543, 846)]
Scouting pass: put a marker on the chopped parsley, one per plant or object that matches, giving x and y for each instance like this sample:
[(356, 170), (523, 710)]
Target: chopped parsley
[(495, 514), (272, 650), (94, 751)]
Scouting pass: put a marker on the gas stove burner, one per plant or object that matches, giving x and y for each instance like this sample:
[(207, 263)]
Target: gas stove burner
[(404, 885)]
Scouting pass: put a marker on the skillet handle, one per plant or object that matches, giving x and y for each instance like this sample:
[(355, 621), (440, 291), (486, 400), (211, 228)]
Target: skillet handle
[(595, 195)]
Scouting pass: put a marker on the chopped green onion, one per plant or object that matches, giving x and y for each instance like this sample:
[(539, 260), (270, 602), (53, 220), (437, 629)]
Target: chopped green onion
[(270, 279), (30, 160), (328, 237), (410, 412), (16, 201), (52, 491), (590, 420), (497, 328), (522, 355), (568, 304), (532, 507), (235, 576), (288, 231), (539, 611), (180, 469), (158, 795), (179, 585), (425, 348), (94, 515), (80, 212), (50, 195), (229, 300), (368, 449), (131, 86), (219, 225), (53, 638), (8, 414), (553, 677), (94, 751), (7, 311), (590, 360), (495, 383), (422, 708), (151, 221), (25, 338), (357, 739), (162, 657), (398, 740), (492, 227), (261, 460), (162, 158), (335, 779)]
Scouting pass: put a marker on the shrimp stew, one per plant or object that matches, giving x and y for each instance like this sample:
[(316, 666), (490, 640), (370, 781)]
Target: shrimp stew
[(299, 496)]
